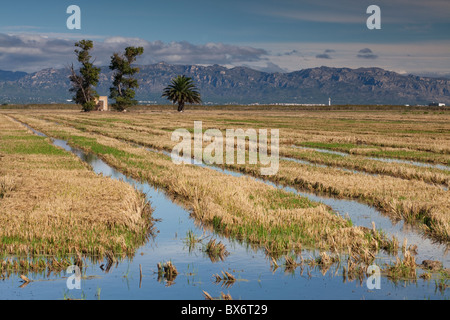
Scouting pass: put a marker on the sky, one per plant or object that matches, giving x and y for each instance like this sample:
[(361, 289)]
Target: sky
[(272, 36)]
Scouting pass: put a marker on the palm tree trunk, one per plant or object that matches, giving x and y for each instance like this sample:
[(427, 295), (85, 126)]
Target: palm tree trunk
[(181, 107)]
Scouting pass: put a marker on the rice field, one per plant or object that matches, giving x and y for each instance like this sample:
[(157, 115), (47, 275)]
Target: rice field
[(392, 160), (53, 205)]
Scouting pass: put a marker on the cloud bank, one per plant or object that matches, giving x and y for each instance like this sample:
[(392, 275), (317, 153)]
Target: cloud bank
[(35, 52)]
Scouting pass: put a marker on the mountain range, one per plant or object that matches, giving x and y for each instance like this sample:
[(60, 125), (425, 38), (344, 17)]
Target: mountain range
[(242, 85)]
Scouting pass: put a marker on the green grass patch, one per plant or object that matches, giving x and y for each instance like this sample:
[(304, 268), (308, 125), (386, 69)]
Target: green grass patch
[(97, 148), (331, 146), (421, 156), (112, 120), (279, 199), (29, 145)]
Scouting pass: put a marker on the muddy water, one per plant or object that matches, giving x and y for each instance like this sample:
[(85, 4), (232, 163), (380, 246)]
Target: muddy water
[(388, 160), (256, 279), (361, 215), (322, 150), (414, 163), (324, 166)]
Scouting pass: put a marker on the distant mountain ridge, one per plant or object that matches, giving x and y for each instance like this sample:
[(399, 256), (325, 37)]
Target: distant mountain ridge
[(243, 85)]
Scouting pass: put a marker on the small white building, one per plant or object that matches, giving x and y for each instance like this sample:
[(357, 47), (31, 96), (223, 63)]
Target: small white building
[(436, 104), (102, 103)]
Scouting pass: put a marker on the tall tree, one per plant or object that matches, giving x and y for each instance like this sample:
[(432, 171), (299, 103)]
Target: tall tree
[(124, 84), (182, 90), (83, 83)]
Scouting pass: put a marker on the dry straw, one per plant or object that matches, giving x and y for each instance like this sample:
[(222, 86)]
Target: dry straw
[(53, 205), (241, 208)]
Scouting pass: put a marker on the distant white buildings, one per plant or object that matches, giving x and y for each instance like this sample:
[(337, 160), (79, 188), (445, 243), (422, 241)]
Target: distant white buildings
[(437, 104), (298, 104)]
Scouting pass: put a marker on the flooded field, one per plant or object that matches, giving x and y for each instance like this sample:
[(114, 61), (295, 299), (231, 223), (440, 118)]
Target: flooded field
[(183, 239)]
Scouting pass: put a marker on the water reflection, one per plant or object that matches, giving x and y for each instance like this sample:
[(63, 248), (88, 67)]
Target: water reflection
[(257, 275), (388, 160), (359, 213)]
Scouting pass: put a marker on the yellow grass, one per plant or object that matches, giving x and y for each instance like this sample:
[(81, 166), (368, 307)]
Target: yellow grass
[(52, 204), (241, 208), (404, 191)]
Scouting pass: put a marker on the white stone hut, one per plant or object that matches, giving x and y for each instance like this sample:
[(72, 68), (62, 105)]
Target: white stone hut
[(102, 103)]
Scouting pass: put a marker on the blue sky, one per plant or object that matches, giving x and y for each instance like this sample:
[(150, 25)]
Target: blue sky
[(283, 35)]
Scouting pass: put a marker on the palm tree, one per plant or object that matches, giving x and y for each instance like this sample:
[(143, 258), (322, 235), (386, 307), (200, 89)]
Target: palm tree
[(182, 90)]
